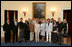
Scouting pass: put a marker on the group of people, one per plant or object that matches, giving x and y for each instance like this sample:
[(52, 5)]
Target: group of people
[(36, 30)]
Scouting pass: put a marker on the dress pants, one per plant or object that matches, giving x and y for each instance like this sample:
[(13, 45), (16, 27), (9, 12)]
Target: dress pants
[(59, 37), (54, 37), (15, 34), (27, 35), (7, 37), (48, 35), (37, 36), (21, 35), (31, 36)]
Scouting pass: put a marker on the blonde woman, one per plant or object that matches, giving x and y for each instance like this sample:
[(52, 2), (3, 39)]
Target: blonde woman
[(37, 31), (31, 27), (43, 30)]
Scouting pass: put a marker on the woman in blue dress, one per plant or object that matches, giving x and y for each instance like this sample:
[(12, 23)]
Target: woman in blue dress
[(43, 30)]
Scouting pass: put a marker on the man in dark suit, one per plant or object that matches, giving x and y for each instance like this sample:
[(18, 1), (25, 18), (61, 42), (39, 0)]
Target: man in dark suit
[(7, 30), (27, 30), (21, 28), (15, 30)]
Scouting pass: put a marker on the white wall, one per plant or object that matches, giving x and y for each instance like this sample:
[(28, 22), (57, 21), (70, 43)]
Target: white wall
[(19, 5)]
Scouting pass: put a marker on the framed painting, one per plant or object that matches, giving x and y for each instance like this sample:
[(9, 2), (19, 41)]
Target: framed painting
[(39, 10)]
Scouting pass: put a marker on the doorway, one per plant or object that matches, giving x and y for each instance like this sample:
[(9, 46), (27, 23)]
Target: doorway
[(11, 14), (67, 16)]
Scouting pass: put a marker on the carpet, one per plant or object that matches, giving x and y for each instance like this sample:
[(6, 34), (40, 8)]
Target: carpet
[(33, 44)]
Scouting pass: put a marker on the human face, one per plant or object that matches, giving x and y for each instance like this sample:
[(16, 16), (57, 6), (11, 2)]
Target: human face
[(64, 20), (25, 21), (21, 19), (59, 19), (8, 21), (43, 21), (51, 20), (15, 20), (48, 20), (54, 22)]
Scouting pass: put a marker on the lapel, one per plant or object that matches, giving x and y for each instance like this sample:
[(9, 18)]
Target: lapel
[(48, 24)]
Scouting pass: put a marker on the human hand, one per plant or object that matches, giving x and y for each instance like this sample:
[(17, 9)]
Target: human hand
[(66, 31)]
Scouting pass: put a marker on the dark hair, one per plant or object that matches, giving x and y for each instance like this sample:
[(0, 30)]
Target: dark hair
[(21, 18), (7, 18), (48, 19), (52, 18), (64, 18)]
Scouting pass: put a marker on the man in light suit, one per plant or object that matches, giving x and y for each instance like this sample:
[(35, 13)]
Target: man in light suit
[(49, 29)]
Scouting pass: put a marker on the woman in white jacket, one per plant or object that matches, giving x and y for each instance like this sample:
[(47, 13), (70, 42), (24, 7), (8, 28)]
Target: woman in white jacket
[(49, 28), (37, 31)]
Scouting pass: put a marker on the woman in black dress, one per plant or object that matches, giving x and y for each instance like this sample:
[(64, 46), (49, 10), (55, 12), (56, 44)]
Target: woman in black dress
[(54, 32), (65, 27)]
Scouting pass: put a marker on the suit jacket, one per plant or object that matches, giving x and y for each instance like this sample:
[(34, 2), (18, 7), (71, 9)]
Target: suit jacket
[(21, 25), (26, 27), (49, 27), (15, 27), (31, 27), (7, 27)]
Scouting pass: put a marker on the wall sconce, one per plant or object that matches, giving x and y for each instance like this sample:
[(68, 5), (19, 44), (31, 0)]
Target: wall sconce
[(24, 13), (53, 11)]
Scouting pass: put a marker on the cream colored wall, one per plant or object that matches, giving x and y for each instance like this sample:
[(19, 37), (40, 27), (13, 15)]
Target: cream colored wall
[(19, 5)]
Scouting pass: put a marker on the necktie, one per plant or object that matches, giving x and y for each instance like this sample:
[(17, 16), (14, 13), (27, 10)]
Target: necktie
[(16, 23), (48, 24)]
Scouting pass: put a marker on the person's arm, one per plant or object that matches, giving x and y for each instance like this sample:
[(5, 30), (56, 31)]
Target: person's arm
[(18, 27), (4, 27), (45, 27), (40, 27), (51, 27), (62, 29), (67, 28), (57, 30)]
